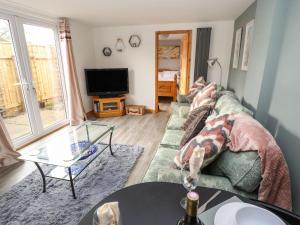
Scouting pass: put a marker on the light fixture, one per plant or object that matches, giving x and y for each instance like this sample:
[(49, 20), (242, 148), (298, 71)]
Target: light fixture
[(120, 45), (211, 62), (134, 41)]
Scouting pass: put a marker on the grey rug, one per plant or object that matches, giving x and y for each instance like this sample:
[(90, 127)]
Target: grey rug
[(25, 204)]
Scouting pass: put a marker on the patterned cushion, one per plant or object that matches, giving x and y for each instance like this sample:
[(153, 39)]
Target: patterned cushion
[(227, 104), (172, 139), (212, 138), (243, 169), (175, 122), (195, 126), (194, 115), (209, 92), (184, 111), (198, 85)]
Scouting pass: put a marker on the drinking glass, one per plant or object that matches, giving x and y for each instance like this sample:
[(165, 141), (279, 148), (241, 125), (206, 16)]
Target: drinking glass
[(188, 183)]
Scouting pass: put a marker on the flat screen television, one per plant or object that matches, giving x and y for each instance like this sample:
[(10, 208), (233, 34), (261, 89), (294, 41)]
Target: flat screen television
[(107, 82)]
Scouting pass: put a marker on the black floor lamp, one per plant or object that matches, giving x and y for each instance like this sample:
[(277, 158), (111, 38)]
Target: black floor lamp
[(211, 62)]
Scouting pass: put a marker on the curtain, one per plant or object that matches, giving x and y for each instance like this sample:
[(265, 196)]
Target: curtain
[(202, 52), (75, 104), (8, 155)]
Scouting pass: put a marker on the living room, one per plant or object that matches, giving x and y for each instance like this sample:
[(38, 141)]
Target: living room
[(229, 139)]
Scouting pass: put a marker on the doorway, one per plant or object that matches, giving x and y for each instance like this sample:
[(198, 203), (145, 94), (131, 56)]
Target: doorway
[(32, 94), (172, 66)]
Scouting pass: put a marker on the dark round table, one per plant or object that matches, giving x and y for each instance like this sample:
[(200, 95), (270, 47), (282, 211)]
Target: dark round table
[(157, 203)]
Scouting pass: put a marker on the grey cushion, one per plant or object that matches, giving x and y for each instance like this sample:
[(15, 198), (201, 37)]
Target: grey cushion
[(223, 183), (243, 169)]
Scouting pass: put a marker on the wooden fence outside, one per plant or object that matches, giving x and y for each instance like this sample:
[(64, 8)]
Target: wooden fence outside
[(45, 76)]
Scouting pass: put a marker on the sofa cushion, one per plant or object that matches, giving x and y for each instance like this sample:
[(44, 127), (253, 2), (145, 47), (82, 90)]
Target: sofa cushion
[(227, 104), (242, 168), (198, 85), (162, 159), (182, 99), (204, 98), (175, 122), (175, 107), (212, 138), (194, 127), (184, 111), (172, 139), (223, 183), (195, 114), (208, 92)]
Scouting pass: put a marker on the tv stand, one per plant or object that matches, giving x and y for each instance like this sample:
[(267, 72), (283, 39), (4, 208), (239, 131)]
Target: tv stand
[(109, 106)]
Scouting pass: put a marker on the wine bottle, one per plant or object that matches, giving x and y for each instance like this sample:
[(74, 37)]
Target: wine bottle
[(190, 218)]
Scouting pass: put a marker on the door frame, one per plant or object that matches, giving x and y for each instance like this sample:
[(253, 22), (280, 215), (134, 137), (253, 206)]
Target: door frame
[(157, 33)]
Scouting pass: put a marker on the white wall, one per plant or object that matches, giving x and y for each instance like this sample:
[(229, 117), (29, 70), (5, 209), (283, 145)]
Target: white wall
[(141, 61), (84, 56)]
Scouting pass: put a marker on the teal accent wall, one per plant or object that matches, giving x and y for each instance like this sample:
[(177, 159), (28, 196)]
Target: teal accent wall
[(237, 77), (271, 86), (281, 116)]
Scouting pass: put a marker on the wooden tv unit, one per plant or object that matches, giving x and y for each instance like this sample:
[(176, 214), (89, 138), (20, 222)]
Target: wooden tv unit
[(109, 107)]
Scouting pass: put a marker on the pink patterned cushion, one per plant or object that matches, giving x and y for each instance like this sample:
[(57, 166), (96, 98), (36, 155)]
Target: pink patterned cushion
[(210, 91), (212, 137), (198, 85)]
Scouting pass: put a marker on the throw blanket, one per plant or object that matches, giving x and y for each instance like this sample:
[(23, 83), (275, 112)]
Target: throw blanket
[(248, 134)]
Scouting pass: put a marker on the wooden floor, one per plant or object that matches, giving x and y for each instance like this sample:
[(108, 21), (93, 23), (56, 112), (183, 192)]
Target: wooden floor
[(145, 131)]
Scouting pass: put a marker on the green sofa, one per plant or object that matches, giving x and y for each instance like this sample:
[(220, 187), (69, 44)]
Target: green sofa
[(239, 173)]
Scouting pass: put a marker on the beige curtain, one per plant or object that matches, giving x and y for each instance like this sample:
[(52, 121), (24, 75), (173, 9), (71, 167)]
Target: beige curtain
[(8, 155), (75, 105)]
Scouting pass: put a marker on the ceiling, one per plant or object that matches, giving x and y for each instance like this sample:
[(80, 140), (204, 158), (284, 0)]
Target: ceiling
[(136, 12)]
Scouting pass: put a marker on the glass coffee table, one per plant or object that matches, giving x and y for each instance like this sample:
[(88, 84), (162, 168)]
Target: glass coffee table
[(65, 149)]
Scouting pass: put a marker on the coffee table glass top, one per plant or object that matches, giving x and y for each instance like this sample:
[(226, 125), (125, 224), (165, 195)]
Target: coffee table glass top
[(62, 149)]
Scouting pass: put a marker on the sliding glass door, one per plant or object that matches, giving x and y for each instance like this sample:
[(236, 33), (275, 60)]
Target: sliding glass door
[(32, 94)]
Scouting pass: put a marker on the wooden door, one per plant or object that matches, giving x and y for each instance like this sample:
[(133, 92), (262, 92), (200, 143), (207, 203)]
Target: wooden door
[(185, 62)]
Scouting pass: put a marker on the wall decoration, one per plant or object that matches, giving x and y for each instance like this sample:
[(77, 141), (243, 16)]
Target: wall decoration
[(169, 52), (134, 41), (107, 51), (120, 45), (247, 46), (237, 48)]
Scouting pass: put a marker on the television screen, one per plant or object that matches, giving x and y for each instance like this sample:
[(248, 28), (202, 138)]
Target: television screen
[(106, 82)]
